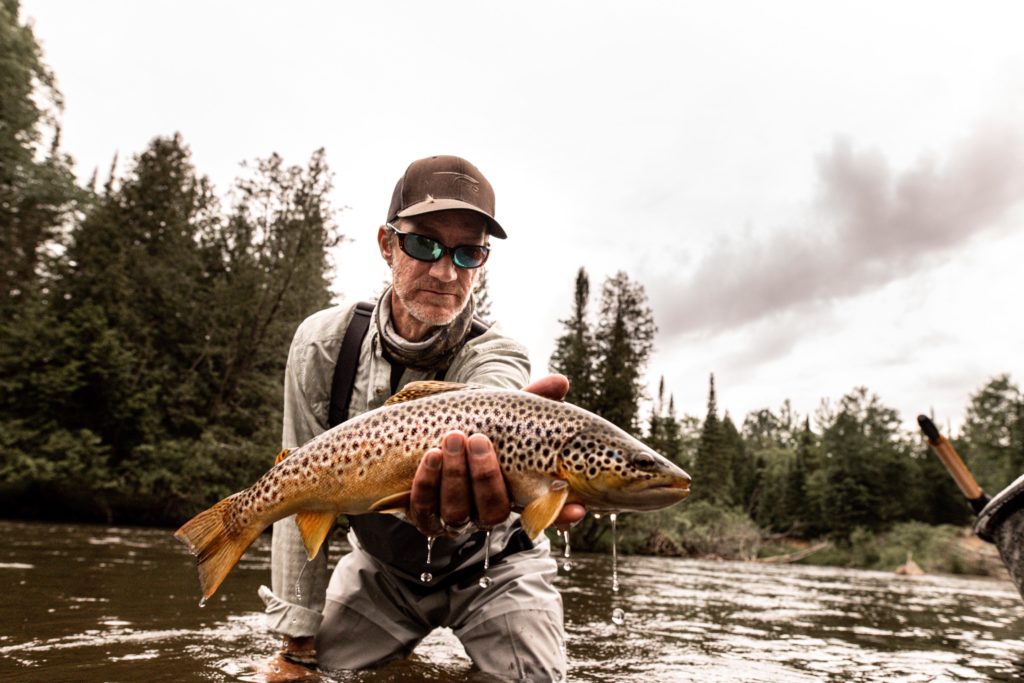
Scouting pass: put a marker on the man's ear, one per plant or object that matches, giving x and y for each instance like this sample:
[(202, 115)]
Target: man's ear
[(385, 243)]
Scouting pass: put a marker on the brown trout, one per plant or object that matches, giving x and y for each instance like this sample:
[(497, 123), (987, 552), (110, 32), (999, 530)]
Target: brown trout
[(551, 453)]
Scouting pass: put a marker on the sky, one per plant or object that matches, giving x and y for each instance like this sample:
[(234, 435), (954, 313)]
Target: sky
[(815, 196)]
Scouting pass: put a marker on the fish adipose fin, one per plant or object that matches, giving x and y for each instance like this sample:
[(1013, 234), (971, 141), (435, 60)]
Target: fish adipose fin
[(541, 512), (216, 545), (415, 390), (399, 502), (314, 527)]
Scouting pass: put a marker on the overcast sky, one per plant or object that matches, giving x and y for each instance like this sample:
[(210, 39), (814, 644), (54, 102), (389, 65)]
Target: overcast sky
[(815, 195)]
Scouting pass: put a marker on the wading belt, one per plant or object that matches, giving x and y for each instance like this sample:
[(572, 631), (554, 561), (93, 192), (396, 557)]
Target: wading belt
[(388, 538)]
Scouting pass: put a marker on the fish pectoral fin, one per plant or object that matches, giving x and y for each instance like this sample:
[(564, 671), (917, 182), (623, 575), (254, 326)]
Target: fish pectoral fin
[(540, 513), (393, 504), (314, 527), (281, 456), (415, 390)]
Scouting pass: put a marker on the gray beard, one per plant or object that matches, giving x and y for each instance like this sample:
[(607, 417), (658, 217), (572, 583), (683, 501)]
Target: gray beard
[(436, 352)]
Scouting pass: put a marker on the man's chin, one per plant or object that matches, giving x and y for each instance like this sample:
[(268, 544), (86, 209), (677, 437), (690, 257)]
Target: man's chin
[(435, 316)]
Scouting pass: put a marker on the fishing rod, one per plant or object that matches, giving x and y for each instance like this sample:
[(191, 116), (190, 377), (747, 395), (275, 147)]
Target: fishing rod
[(954, 465)]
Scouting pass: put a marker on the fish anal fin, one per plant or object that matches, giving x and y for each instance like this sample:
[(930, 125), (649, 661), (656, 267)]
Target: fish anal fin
[(281, 456), (217, 545), (314, 527), (398, 502), (415, 390), (541, 512)]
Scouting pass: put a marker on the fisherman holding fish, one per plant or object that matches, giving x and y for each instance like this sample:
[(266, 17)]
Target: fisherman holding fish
[(384, 597)]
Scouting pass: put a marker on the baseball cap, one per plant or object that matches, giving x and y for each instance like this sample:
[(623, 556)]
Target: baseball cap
[(439, 183)]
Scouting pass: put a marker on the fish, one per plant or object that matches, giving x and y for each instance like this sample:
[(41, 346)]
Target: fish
[(551, 453)]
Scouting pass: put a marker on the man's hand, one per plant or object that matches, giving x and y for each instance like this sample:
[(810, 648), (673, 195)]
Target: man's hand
[(462, 481)]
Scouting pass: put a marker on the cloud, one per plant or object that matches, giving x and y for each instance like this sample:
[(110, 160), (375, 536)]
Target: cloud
[(867, 227)]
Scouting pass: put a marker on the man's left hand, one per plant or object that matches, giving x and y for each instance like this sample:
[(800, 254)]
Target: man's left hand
[(463, 483)]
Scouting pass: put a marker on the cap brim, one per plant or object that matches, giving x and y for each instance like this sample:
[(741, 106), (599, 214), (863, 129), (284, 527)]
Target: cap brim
[(420, 208)]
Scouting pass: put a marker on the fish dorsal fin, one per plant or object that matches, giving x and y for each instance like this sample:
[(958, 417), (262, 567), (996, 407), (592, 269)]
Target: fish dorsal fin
[(415, 390), (542, 512), (281, 456), (314, 527)]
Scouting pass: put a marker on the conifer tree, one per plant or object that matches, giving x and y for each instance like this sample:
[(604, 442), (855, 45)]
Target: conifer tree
[(663, 432), (575, 351), (37, 188), (712, 466), (624, 339)]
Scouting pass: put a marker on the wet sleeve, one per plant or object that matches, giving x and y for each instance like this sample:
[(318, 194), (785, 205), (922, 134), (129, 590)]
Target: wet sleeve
[(296, 601)]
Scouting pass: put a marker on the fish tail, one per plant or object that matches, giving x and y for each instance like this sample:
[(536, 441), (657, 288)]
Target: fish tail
[(216, 544)]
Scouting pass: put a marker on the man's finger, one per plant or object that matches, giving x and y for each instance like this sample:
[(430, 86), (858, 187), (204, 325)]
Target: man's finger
[(455, 495), (489, 491), (554, 387), (424, 499), (570, 515)]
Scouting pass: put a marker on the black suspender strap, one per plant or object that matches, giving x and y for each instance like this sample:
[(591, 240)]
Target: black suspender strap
[(348, 362)]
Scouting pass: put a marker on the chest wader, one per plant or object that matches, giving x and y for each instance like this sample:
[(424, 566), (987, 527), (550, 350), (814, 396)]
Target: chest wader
[(391, 540), (1002, 522)]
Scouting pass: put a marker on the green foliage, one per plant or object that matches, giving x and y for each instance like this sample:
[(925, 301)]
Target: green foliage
[(624, 339), (37, 190), (664, 432), (141, 379), (713, 466), (992, 442), (575, 352)]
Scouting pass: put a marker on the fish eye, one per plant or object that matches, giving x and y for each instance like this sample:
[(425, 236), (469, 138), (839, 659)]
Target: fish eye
[(644, 461)]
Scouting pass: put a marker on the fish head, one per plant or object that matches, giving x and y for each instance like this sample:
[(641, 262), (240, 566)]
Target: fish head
[(610, 470)]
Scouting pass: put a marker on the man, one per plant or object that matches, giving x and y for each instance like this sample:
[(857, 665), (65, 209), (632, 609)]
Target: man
[(384, 597)]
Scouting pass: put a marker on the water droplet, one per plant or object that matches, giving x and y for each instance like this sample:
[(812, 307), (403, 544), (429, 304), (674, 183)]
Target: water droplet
[(566, 552), (618, 617), (615, 553), (430, 546), (485, 580), (426, 577), (202, 602), (597, 515)]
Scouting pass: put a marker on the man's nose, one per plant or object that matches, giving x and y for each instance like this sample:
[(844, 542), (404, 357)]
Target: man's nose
[(443, 269)]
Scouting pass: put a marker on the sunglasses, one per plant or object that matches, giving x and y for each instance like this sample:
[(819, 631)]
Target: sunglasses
[(430, 250)]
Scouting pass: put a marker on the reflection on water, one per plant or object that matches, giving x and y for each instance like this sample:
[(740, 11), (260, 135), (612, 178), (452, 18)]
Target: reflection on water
[(91, 603)]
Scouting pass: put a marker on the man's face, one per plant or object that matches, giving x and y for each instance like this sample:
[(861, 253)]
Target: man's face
[(433, 293)]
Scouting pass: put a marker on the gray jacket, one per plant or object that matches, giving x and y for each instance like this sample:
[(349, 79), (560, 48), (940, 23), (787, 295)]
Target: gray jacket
[(294, 606)]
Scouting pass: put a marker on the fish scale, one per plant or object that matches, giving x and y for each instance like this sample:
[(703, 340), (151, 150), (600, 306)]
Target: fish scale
[(551, 453)]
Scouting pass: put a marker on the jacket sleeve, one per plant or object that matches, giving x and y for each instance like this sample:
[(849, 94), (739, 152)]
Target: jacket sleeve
[(295, 604), (493, 360)]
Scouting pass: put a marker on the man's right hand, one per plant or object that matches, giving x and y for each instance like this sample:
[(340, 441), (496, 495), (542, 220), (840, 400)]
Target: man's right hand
[(280, 669)]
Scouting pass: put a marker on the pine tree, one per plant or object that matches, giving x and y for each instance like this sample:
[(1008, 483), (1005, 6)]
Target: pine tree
[(990, 433), (624, 340), (663, 433), (713, 465), (37, 188), (575, 349)]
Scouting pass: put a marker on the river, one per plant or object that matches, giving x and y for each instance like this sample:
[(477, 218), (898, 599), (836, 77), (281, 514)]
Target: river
[(93, 603)]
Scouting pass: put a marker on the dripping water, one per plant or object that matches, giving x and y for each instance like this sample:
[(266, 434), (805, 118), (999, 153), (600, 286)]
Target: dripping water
[(298, 580), (485, 580), (567, 563), (202, 602), (426, 576), (615, 554)]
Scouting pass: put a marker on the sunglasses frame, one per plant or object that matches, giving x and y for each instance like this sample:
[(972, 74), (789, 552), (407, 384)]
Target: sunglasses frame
[(445, 250)]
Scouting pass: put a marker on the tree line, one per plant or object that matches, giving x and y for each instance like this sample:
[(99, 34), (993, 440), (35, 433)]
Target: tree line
[(854, 469), (144, 322)]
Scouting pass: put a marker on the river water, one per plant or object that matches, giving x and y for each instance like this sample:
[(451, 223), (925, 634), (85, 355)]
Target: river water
[(92, 603)]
